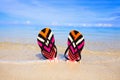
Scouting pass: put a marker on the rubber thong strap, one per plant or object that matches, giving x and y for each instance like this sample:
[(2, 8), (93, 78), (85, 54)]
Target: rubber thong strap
[(42, 48), (78, 51), (55, 53)]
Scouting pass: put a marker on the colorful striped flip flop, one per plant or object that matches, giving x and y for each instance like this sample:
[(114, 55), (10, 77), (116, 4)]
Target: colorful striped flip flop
[(75, 46), (46, 42)]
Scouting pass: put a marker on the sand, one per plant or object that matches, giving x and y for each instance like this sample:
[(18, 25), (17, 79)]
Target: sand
[(25, 62)]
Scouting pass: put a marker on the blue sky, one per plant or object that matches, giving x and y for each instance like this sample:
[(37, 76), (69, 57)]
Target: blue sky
[(61, 12)]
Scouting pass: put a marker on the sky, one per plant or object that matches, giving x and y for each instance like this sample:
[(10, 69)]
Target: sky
[(85, 13)]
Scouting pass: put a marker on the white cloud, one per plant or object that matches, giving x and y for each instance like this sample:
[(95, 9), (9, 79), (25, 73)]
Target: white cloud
[(27, 22), (92, 25), (44, 12), (84, 24), (54, 23), (36, 11)]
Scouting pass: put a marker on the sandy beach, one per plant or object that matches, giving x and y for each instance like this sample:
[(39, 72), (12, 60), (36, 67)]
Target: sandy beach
[(22, 27), (24, 62)]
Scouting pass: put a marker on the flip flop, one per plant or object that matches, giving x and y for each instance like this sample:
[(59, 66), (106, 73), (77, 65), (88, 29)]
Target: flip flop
[(75, 46), (46, 42)]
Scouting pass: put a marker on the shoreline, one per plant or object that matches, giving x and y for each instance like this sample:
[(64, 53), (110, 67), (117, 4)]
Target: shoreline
[(28, 52), (25, 62)]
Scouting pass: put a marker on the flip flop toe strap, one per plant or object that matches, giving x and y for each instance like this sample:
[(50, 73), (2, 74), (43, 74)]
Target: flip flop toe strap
[(68, 50)]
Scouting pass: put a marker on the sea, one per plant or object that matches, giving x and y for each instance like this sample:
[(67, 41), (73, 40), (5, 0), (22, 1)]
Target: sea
[(96, 38)]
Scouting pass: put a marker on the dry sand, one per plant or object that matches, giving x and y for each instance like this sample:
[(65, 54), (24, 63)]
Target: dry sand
[(24, 62)]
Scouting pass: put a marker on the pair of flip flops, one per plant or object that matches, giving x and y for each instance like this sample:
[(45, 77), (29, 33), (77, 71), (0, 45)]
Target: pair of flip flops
[(46, 42)]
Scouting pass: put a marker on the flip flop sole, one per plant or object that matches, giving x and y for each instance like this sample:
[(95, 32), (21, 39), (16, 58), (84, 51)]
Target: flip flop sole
[(75, 46), (46, 42)]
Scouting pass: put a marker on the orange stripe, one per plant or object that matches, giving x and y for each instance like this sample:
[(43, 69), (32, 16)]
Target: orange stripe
[(44, 34), (75, 36)]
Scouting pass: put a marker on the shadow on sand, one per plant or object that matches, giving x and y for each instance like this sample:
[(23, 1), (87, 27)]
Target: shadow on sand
[(59, 57)]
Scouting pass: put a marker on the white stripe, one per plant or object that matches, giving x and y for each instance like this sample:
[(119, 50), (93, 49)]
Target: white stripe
[(47, 43), (79, 40), (40, 39), (72, 41), (74, 45), (50, 36), (70, 38)]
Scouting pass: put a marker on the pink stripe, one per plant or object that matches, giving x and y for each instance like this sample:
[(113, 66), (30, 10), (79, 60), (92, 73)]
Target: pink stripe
[(72, 49), (48, 49), (75, 50), (68, 43), (50, 45), (53, 40), (39, 43), (81, 45)]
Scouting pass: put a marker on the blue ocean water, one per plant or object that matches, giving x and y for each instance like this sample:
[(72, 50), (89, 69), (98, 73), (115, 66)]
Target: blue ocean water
[(95, 37)]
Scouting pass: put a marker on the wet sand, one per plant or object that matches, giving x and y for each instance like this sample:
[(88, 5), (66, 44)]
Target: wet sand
[(25, 62)]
